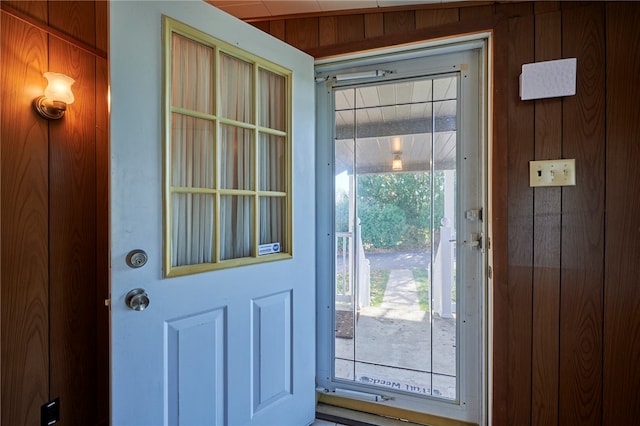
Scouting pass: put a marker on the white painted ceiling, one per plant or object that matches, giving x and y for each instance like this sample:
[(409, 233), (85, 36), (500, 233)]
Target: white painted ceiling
[(251, 9)]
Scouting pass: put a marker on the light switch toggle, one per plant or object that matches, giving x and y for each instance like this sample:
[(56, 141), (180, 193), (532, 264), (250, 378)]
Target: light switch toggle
[(552, 172)]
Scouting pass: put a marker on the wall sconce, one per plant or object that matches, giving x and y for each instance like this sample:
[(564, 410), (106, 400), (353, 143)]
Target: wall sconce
[(396, 164), (56, 97)]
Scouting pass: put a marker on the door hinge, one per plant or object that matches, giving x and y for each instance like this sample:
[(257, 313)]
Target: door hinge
[(50, 413), (490, 272)]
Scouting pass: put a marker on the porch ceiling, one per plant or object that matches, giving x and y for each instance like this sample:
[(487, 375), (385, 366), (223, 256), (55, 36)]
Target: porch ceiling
[(378, 122)]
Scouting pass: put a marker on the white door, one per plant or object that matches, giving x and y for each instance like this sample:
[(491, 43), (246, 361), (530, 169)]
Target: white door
[(232, 346)]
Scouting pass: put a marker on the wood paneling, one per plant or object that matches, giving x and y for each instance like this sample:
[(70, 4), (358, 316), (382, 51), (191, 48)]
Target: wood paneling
[(102, 241), (520, 218), (476, 12), (373, 25), (328, 30), (277, 29), (75, 18), (72, 224), (35, 9), (302, 33), (583, 115), (350, 28), (431, 18), (498, 285), (24, 213), (102, 25), (622, 250), (398, 22), (546, 238), (54, 211)]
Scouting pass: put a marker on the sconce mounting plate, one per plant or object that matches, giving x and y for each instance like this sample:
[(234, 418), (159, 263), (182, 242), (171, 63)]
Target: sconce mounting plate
[(51, 110)]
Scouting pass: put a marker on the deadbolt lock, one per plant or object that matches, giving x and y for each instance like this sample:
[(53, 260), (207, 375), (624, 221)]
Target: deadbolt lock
[(137, 258)]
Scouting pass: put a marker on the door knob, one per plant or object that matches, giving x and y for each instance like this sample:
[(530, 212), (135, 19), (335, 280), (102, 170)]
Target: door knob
[(137, 299)]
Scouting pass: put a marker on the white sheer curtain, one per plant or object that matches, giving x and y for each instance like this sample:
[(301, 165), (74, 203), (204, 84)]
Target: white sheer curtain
[(193, 156), (192, 159), (272, 155), (237, 159)]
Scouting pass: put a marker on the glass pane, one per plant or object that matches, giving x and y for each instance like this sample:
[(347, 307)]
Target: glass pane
[(445, 88), (192, 229), (192, 163), (273, 222), (192, 73), (236, 89), (272, 100), (392, 185), (344, 99), (394, 120), (273, 160), (236, 226), (446, 113), (401, 93), (236, 158)]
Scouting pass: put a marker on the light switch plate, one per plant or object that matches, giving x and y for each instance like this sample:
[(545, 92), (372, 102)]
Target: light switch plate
[(552, 172)]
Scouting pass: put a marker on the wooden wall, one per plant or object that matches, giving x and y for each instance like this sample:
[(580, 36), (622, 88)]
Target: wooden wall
[(566, 260), (54, 207)]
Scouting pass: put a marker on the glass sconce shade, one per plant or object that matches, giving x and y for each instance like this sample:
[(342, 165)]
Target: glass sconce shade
[(59, 88), (56, 97)]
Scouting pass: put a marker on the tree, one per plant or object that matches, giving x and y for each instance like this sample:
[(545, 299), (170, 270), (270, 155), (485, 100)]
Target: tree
[(395, 208)]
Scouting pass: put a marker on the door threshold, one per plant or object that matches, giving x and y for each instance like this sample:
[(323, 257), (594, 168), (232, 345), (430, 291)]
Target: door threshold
[(345, 416)]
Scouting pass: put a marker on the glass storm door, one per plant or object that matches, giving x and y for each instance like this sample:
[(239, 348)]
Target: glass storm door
[(407, 199)]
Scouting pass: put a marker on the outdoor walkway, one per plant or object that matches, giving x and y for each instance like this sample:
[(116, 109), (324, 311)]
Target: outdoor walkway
[(400, 299)]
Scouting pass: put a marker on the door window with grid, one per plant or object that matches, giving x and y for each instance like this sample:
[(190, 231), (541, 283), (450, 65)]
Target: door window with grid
[(227, 155)]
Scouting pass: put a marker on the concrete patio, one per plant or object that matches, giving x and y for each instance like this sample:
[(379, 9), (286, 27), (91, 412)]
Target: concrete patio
[(397, 345)]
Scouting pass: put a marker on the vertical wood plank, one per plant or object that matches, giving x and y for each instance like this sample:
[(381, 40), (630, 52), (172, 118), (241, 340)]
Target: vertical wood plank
[(262, 25), (546, 232), (277, 29), (520, 196), (546, 6), (499, 288), (34, 9), (373, 25), (513, 9), (75, 18), (72, 244), (399, 22), (328, 30), (102, 25), (621, 373), (431, 17), (350, 28), (472, 13), (24, 226), (581, 304), (302, 32), (102, 240)]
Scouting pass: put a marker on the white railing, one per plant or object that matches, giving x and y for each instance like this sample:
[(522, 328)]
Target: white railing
[(443, 273), (349, 266), (344, 270)]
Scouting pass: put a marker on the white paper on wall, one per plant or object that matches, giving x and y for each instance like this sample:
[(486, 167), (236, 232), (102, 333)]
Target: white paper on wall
[(548, 79)]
